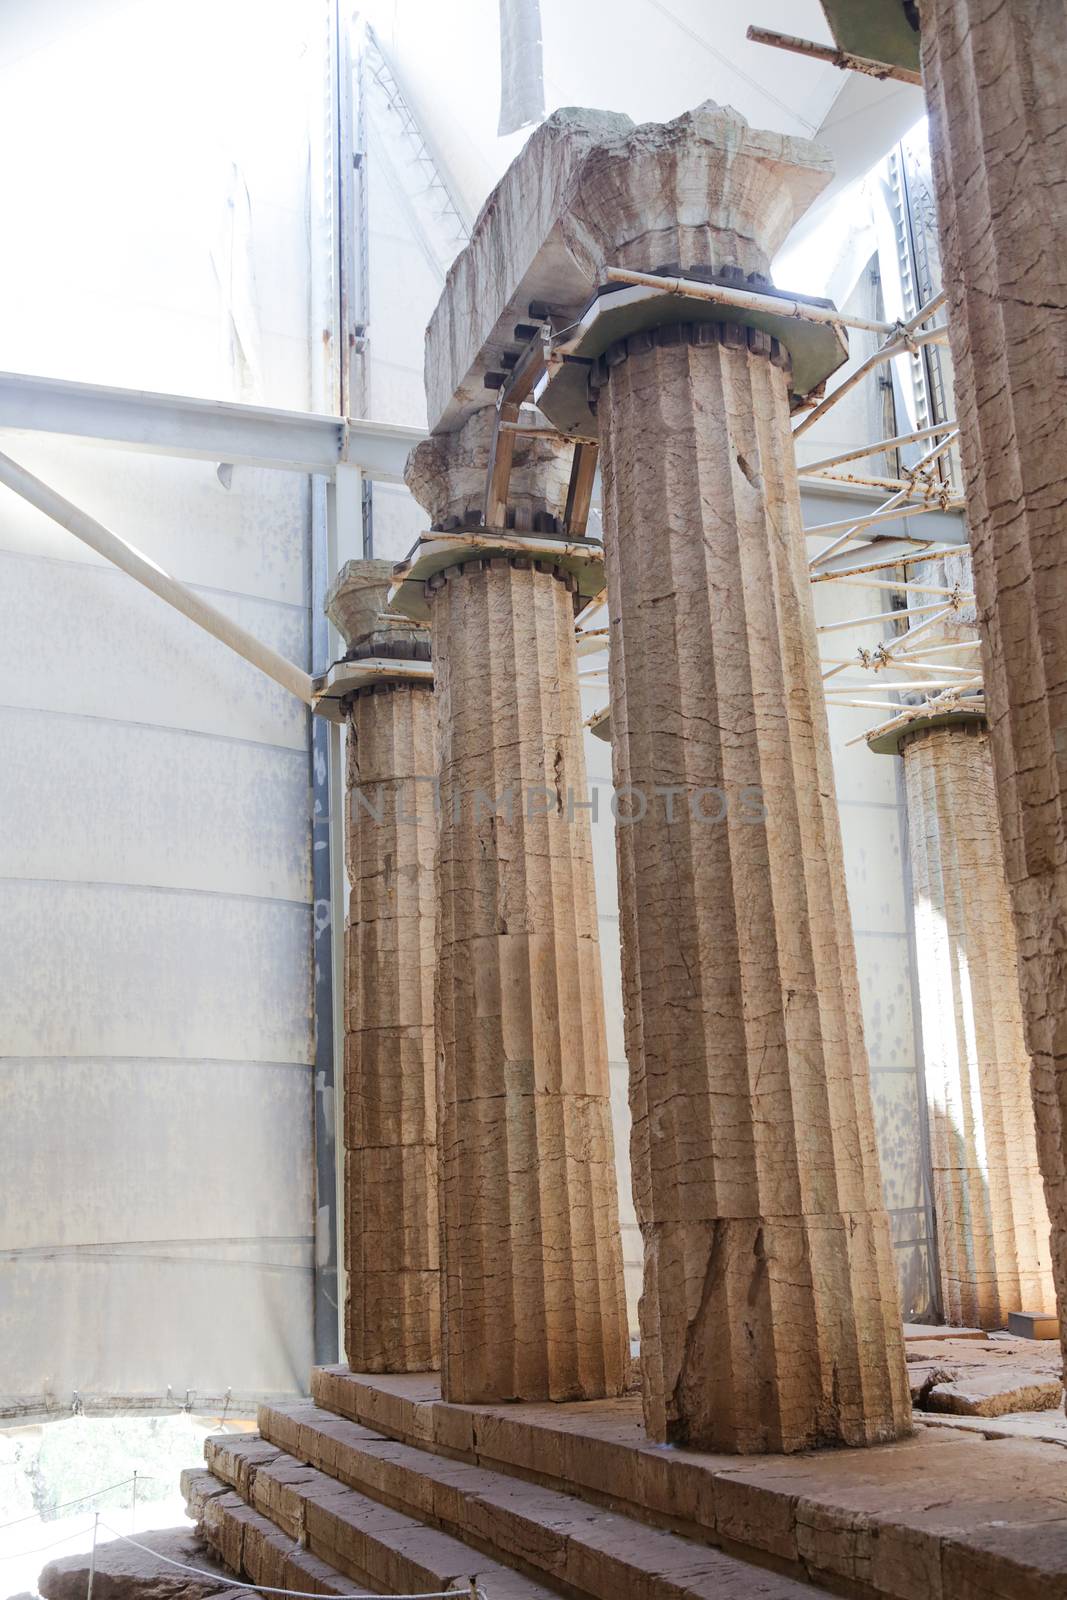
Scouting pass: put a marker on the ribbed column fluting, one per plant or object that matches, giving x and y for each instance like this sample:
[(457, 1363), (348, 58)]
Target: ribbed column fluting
[(392, 1305), (769, 1319), (992, 1222), (533, 1304)]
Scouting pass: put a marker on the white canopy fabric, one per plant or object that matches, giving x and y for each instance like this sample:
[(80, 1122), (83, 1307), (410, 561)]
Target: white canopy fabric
[(649, 58)]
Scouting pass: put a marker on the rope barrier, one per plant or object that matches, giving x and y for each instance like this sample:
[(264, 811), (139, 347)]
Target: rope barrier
[(34, 1516), (38, 1549), (472, 1589)]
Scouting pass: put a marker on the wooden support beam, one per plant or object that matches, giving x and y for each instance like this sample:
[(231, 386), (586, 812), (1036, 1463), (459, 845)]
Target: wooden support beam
[(498, 475), (580, 489), (529, 367)]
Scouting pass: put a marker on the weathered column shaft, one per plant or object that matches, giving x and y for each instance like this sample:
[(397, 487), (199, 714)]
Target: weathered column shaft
[(769, 1319), (392, 1297), (392, 1309), (992, 1221), (998, 114), (533, 1303)]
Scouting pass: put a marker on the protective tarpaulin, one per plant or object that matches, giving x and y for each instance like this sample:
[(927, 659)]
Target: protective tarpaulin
[(522, 88)]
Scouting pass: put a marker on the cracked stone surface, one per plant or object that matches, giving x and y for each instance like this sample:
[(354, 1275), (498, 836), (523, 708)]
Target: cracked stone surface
[(392, 1301), (769, 1317), (998, 136), (355, 600), (993, 1228), (533, 1289)]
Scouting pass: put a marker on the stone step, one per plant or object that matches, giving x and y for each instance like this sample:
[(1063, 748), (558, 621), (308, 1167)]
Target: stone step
[(548, 1537), (252, 1547), (944, 1515), (373, 1545)]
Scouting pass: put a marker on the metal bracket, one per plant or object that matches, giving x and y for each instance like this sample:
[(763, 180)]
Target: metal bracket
[(816, 349), (433, 552), (345, 677)]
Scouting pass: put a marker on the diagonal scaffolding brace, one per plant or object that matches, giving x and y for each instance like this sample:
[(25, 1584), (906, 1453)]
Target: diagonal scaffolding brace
[(146, 572)]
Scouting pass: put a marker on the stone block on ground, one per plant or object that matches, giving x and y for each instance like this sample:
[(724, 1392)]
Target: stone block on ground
[(1034, 1324), (988, 1378), (122, 1572)]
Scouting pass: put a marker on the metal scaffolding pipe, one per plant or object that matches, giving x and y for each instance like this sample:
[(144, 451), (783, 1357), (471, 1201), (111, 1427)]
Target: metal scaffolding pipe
[(875, 663), (897, 585), (896, 347), (850, 528), (942, 649), (887, 509), (875, 449), (881, 616), (722, 294), (907, 339), (912, 686), (132, 562), (940, 702), (923, 489), (928, 550)]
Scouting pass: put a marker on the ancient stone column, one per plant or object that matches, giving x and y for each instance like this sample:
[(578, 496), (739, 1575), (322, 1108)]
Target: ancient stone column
[(992, 1222), (392, 1300), (533, 1304), (769, 1318), (998, 108)]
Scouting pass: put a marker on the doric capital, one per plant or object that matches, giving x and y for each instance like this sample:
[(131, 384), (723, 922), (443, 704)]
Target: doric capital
[(356, 604), (891, 738), (705, 190), (446, 473)]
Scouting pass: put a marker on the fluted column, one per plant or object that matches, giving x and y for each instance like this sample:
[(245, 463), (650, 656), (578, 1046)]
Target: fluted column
[(769, 1318), (533, 1304), (998, 107), (992, 1223), (392, 1300)]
